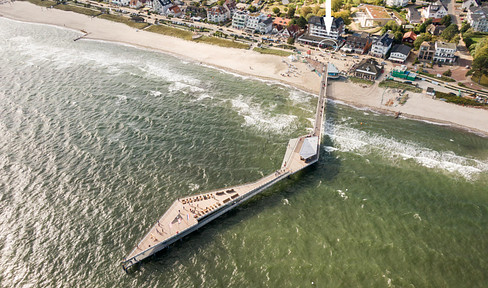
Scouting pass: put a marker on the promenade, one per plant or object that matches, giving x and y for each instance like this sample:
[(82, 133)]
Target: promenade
[(188, 214)]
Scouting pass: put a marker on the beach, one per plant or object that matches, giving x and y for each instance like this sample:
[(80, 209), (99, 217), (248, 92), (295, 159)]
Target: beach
[(247, 62)]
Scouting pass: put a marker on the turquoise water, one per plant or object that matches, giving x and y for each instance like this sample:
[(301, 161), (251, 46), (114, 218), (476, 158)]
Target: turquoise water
[(98, 139)]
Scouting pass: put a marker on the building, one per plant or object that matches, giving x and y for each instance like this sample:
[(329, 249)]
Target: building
[(231, 7), (372, 16), (368, 69), (399, 53), (435, 29), (430, 91), (413, 15), (265, 26), (470, 3), (382, 45), (239, 19), (121, 2), (440, 52), (403, 73), (280, 23), (217, 14), (434, 10), (194, 11), (409, 37), (332, 71), (396, 3), (316, 27), (444, 52), (357, 43), (162, 6), (478, 18), (291, 31), (426, 52)]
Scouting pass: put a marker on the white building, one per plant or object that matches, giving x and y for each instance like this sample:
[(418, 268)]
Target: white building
[(239, 19), (399, 53), (217, 14), (162, 6), (316, 27), (398, 3), (434, 10), (381, 46), (265, 26), (121, 2), (444, 52), (478, 18), (253, 21)]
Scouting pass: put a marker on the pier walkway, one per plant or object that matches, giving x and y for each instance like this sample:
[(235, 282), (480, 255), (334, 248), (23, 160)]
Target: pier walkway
[(190, 213)]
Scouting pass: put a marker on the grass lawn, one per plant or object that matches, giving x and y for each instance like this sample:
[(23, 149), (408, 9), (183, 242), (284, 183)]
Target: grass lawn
[(124, 20), (221, 42), (78, 9), (399, 85), (170, 31), (360, 80), (273, 51), (43, 3)]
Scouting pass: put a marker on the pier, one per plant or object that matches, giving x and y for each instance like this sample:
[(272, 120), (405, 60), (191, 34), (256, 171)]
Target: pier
[(190, 213)]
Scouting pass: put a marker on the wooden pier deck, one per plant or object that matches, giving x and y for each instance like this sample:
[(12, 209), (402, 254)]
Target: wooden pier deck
[(189, 213)]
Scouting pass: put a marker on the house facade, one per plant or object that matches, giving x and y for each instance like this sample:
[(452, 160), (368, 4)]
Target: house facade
[(217, 14), (316, 27), (426, 52), (396, 3), (358, 43), (381, 46), (444, 52), (477, 17), (434, 10), (162, 6), (265, 25), (399, 53), (239, 19), (368, 69)]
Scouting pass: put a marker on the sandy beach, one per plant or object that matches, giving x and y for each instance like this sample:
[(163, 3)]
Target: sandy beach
[(247, 62)]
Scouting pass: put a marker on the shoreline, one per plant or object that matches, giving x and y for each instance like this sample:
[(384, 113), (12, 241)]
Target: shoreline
[(256, 66)]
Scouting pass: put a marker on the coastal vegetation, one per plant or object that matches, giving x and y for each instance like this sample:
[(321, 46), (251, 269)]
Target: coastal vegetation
[(360, 80), (272, 51), (399, 85), (43, 3), (457, 99), (170, 31), (78, 9), (124, 20), (221, 42)]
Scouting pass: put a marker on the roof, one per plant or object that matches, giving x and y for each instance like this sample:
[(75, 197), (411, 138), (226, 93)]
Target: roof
[(400, 48), (309, 147), (436, 6), (435, 29), (319, 21), (410, 34), (369, 66), (385, 40), (430, 89), (376, 12), (444, 45), (414, 14), (266, 21), (331, 68), (281, 21)]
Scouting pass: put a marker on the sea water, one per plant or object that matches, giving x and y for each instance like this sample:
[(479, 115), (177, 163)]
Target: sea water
[(98, 139)]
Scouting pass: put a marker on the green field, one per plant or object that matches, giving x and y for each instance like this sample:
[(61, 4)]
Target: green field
[(272, 51), (124, 20), (360, 80), (43, 3), (170, 31), (221, 42), (399, 85), (78, 9)]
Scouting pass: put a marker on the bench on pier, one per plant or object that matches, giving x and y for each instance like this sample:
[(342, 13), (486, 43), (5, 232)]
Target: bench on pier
[(230, 191), (220, 193), (234, 196), (226, 200)]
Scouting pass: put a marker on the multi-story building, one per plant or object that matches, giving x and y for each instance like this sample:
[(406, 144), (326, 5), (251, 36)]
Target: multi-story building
[(368, 69), (398, 3), (413, 15), (399, 53), (316, 27), (217, 14), (434, 10), (372, 16), (239, 19), (478, 18), (265, 26), (440, 52), (162, 6), (444, 52), (358, 43), (253, 21), (381, 46)]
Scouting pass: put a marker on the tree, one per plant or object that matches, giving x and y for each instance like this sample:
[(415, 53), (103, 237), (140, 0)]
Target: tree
[(423, 27), (305, 11), (290, 40), (291, 12), (276, 10), (420, 39), (302, 22), (446, 20), (252, 9), (336, 5), (449, 33), (413, 1), (398, 36), (480, 63), (465, 26), (345, 15), (447, 73)]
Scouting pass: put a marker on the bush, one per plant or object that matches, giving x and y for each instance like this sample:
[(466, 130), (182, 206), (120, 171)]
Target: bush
[(399, 85), (447, 73), (457, 100)]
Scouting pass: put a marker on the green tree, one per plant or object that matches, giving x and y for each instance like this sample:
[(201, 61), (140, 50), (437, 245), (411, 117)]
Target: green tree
[(290, 40), (398, 36), (345, 15), (480, 63), (276, 10), (449, 33), (302, 22), (336, 5), (420, 39), (252, 9), (305, 11), (446, 20), (464, 27), (447, 73), (291, 12), (423, 27)]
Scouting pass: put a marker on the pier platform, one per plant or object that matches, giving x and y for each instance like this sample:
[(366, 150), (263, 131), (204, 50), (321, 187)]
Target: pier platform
[(190, 213)]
